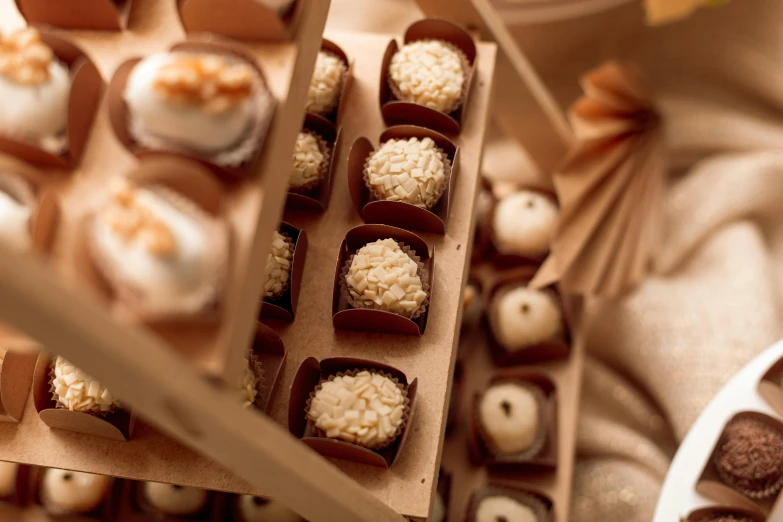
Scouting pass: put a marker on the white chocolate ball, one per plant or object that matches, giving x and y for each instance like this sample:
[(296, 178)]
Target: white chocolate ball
[(257, 509), (524, 223), (278, 266), (64, 492), (429, 73), (175, 500), (8, 472), (191, 125), (493, 509), (525, 317), (509, 415), (308, 161), (248, 390), (326, 83), (15, 216), (77, 391)]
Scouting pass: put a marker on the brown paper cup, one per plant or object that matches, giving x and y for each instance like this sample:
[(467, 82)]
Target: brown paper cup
[(422, 273), (291, 250), (352, 373), (374, 196), (60, 406), (323, 170), (714, 513), (541, 507)]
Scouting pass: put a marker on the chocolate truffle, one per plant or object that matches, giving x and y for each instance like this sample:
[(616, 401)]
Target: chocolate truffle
[(8, 472), (249, 387), (365, 409), (384, 277), (412, 171), (749, 458), (326, 84), (258, 509), (524, 224), (71, 492), (170, 499), (214, 105), (278, 266), (510, 417), (17, 206), (162, 254), (524, 317), (506, 509), (429, 73), (35, 88), (309, 163), (76, 391)]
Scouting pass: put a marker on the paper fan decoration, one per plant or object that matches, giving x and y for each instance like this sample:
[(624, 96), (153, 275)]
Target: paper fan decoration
[(610, 187)]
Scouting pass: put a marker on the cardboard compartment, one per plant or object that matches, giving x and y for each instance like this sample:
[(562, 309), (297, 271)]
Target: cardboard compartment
[(100, 15), (345, 317), (85, 96), (269, 349), (336, 116), (317, 199), (397, 112), (119, 112), (283, 308), (518, 492), (713, 513), (553, 349), (117, 425), (105, 511), (248, 20), (16, 377), (771, 386), (544, 459), (712, 486), (398, 213), (134, 507), (309, 375)]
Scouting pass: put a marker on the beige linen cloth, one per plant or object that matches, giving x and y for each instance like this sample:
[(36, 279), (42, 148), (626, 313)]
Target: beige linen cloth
[(713, 300)]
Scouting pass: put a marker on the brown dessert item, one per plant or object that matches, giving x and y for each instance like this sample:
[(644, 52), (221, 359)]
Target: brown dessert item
[(749, 458)]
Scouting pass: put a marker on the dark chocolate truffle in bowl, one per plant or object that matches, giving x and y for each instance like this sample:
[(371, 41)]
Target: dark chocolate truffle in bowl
[(749, 458)]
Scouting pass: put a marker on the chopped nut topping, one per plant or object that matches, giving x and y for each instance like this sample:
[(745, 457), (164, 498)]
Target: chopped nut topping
[(24, 58), (206, 80), (131, 220)]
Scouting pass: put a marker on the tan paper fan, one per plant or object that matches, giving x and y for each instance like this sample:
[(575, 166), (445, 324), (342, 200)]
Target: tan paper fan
[(609, 187)]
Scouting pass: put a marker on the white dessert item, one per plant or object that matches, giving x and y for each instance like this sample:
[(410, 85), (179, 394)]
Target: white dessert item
[(429, 73), (326, 84), (72, 492), (8, 472), (308, 164), (258, 509), (76, 391), (248, 389), (525, 317), (493, 509), (524, 223), (510, 417), (15, 217), (175, 500), (278, 266)]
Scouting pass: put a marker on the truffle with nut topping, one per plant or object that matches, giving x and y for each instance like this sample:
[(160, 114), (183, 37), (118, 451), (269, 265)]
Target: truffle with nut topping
[(429, 73), (71, 492), (308, 162), (366, 409), (524, 317), (76, 391), (35, 88), (278, 266), (408, 170), (384, 277), (326, 84), (749, 458)]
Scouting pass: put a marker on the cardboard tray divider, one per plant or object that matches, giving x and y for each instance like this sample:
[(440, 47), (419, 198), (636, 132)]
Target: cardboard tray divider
[(16, 378), (246, 20), (268, 347), (345, 317), (101, 15), (397, 112), (284, 307), (106, 510), (87, 86), (318, 198), (117, 425), (336, 116), (310, 374), (398, 213), (132, 506)]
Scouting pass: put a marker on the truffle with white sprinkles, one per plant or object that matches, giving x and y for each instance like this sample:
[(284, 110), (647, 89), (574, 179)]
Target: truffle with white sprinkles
[(75, 390), (326, 84), (308, 162), (278, 266), (429, 73), (383, 276), (525, 317), (249, 387), (412, 171), (366, 409)]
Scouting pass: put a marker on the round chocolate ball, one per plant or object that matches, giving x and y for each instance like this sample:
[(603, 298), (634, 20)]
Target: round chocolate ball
[(749, 458)]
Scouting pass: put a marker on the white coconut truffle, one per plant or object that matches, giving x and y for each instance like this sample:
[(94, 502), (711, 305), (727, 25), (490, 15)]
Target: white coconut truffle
[(493, 509), (308, 163), (204, 102), (15, 216), (248, 389), (382, 276), (8, 472), (35, 88), (326, 84), (75, 390), (174, 500), (509, 415), (525, 317), (278, 266), (158, 249), (258, 509), (71, 492), (429, 73), (412, 171), (524, 223), (365, 410)]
